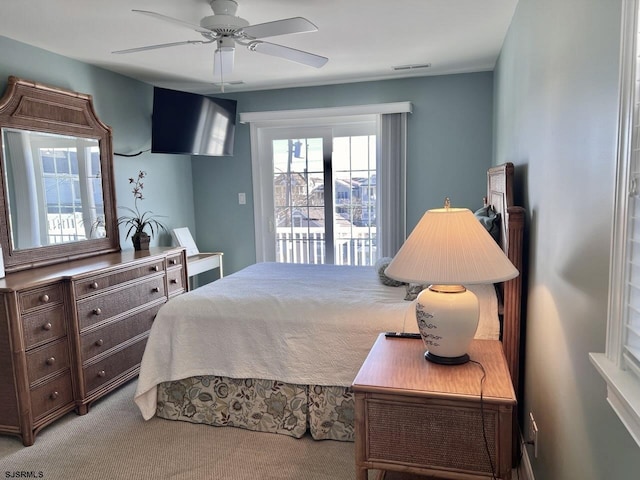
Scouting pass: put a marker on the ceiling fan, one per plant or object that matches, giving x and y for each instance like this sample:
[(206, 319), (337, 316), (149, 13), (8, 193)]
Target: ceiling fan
[(226, 30)]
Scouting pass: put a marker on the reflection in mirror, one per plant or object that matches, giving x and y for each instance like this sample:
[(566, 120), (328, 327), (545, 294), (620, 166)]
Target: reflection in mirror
[(57, 198), (54, 188)]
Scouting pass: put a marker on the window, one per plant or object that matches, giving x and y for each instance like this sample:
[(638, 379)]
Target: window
[(318, 176), (329, 183), (620, 365), (64, 194)]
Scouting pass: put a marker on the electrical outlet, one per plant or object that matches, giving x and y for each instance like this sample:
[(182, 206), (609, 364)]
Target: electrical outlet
[(533, 434), (242, 198)]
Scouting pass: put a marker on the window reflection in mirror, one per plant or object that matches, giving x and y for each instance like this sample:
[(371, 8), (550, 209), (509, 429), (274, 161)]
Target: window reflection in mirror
[(54, 188)]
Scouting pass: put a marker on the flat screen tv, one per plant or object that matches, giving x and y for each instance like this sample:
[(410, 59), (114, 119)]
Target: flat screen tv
[(192, 124)]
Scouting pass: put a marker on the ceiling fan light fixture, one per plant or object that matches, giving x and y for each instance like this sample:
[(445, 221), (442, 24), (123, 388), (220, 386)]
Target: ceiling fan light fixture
[(223, 62)]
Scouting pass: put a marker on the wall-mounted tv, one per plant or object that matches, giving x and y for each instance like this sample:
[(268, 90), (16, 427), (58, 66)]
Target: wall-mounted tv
[(192, 124)]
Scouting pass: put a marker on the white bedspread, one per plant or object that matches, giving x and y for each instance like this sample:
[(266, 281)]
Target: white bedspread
[(303, 324)]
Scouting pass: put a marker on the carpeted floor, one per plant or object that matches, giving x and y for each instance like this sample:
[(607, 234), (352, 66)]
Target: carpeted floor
[(114, 442)]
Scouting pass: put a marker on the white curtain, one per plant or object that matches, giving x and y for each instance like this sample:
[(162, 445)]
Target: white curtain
[(391, 183), (26, 217)]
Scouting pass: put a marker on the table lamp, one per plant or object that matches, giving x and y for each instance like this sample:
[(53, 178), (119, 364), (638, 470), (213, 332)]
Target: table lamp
[(449, 248)]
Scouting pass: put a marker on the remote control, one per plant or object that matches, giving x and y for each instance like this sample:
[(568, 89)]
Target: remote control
[(402, 335)]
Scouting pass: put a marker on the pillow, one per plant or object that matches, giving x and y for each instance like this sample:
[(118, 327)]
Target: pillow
[(380, 267), (488, 217), (413, 289)]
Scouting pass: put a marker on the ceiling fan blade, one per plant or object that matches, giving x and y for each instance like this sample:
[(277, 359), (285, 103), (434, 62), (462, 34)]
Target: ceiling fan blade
[(279, 27), (175, 21), (161, 45), (288, 53)]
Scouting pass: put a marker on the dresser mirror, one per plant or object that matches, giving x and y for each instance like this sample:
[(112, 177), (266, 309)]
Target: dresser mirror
[(57, 196)]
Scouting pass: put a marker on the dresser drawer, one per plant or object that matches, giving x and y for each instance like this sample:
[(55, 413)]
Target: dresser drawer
[(109, 336), (40, 297), (43, 325), (175, 280), (104, 371), (96, 284), (47, 360), (51, 396), (98, 308), (174, 260)]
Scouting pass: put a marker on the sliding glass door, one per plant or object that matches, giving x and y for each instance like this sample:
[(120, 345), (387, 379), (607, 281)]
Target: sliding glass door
[(323, 189)]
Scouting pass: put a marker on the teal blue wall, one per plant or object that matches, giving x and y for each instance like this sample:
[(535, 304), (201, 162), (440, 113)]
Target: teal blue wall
[(449, 144), (125, 105), (448, 152), (556, 107)]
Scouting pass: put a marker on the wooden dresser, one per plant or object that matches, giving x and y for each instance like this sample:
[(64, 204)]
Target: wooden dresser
[(72, 332)]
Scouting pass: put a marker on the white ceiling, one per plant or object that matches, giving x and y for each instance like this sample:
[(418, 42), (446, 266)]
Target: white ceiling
[(363, 39)]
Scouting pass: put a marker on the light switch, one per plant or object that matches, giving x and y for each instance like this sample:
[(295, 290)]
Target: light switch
[(242, 198)]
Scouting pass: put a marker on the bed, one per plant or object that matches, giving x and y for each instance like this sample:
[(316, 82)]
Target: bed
[(275, 347)]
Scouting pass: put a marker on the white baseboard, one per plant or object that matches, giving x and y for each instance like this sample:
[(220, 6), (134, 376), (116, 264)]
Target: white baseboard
[(524, 471)]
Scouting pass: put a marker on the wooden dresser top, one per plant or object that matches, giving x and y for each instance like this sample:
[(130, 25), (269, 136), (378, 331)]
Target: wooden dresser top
[(51, 273)]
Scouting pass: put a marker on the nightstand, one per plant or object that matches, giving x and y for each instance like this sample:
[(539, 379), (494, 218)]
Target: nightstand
[(415, 416)]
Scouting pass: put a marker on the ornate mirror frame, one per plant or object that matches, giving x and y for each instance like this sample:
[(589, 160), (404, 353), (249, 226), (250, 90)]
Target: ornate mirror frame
[(32, 106)]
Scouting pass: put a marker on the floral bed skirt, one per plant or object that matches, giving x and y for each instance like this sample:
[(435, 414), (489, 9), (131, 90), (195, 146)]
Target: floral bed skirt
[(260, 405)]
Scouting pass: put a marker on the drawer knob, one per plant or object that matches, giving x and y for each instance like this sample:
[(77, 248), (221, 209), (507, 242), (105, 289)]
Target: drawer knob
[(54, 395), (93, 285), (97, 311), (47, 326), (44, 298), (101, 373), (51, 360), (173, 261), (155, 268), (155, 289), (99, 342), (174, 281)]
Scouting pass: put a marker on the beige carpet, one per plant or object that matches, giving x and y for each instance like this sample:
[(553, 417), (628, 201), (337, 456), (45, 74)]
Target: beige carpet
[(114, 442)]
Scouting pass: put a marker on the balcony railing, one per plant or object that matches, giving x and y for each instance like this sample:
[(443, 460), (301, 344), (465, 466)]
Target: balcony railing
[(353, 246)]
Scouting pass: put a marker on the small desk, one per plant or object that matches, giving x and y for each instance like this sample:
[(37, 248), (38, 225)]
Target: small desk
[(413, 416), (203, 262)]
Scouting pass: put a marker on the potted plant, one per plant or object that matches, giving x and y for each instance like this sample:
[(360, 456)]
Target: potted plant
[(137, 222)]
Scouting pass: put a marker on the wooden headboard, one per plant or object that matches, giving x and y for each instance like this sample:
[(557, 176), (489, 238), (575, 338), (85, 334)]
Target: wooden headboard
[(500, 197)]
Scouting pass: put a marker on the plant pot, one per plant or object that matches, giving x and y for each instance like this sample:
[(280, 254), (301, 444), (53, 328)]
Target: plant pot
[(141, 241)]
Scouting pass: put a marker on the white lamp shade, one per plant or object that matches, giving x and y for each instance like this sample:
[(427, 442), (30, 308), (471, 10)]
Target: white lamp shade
[(449, 246)]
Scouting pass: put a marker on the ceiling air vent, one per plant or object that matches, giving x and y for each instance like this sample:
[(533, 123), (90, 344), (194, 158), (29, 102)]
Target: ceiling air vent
[(415, 66)]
